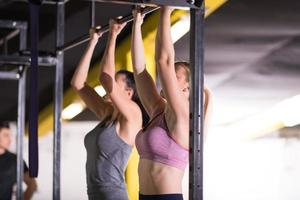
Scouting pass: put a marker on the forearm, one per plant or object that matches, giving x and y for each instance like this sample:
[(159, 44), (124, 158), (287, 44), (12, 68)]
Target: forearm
[(29, 191), (164, 45), (137, 49), (81, 72), (28, 194), (107, 64)]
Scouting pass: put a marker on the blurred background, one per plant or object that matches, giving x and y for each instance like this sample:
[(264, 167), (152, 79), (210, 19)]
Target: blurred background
[(252, 66)]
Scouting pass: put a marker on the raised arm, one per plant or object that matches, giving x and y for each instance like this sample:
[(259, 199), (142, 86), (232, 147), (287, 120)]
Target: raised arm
[(146, 88), (125, 105), (208, 100), (93, 101), (164, 56)]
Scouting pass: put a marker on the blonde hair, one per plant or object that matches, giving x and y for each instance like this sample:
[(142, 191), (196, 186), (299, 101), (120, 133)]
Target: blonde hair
[(186, 66)]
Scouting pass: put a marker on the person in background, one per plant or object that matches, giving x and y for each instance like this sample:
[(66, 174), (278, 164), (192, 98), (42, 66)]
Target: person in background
[(8, 167)]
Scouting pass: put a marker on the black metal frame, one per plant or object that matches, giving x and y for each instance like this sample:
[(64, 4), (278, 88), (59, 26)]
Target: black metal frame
[(58, 101), (19, 76), (20, 27), (196, 100), (197, 9), (196, 103), (178, 3)]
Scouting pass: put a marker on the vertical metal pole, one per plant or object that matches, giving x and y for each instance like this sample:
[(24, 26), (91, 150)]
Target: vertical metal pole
[(21, 116), (5, 46), (20, 132), (23, 38), (58, 100), (196, 104), (92, 13)]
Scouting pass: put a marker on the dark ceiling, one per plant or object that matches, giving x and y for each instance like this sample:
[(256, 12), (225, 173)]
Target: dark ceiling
[(252, 56), (77, 24), (252, 49)]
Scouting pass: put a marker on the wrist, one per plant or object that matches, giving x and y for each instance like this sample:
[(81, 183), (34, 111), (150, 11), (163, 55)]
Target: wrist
[(112, 35), (166, 11), (138, 24), (93, 42)]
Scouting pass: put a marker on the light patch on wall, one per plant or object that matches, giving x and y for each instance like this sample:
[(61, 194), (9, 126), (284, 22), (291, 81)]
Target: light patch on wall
[(180, 28), (100, 90), (72, 110), (289, 111)]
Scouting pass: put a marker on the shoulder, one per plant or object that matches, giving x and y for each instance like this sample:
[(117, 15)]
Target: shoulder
[(9, 158), (10, 155)]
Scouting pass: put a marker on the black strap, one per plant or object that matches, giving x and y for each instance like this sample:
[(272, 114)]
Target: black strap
[(33, 115)]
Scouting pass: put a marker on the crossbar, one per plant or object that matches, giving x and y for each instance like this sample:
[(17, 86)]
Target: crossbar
[(8, 75), (25, 60), (176, 3), (13, 24), (104, 29)]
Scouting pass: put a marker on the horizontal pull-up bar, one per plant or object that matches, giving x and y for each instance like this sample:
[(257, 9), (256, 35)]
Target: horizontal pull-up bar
[(25, 60), (103, 29), (176, 3), (13, 24), (9, 75)]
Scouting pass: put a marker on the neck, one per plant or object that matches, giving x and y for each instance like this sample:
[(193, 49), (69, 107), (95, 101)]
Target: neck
[(2, 151)]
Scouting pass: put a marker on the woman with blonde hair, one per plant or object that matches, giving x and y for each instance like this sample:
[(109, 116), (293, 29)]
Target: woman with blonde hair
[(163, 144)]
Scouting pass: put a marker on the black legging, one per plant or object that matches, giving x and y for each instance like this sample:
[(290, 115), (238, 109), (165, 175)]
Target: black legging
[(161, 197)]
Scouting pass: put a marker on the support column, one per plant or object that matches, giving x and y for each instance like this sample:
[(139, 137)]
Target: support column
[(92, 13), (58, 98), (21, 130), (196, 104)]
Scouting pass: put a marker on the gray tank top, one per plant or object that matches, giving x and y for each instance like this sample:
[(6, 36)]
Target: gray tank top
[(107, 157)]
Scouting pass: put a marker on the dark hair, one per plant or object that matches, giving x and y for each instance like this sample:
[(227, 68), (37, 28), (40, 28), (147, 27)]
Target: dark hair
[(130, 82), (4, 124)]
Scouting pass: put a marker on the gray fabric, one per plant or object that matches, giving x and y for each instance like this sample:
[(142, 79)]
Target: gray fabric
[(107, 157)]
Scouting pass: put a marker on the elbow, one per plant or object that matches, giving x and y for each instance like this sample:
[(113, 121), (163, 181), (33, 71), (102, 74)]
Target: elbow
[(164, 60), (32, 186), (106, 81), (77, 86)]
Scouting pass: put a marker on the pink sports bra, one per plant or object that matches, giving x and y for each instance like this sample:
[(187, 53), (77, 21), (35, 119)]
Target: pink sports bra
[(154, 143)]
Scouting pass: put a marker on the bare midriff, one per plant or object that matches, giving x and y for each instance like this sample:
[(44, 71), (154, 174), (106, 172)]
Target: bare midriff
[(158, 178)]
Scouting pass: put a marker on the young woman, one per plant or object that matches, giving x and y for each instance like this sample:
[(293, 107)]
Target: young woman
[(163, 144), (110, 143)]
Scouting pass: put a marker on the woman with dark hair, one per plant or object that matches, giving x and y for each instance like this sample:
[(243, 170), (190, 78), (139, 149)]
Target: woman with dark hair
[(110, 143), (163, 144)]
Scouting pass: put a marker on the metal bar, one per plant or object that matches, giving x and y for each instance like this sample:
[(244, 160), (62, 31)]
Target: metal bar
[(25, 60), (9, 75), (21, 114), (196, 104), (177, 3), (13, 24), (23, 38), (104, 29), (92, 13), (58, 95), (45, 1), (21, 130), (11, 35)]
